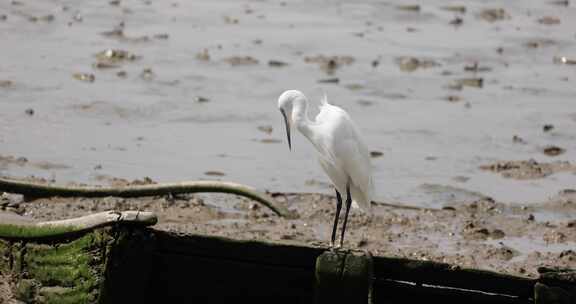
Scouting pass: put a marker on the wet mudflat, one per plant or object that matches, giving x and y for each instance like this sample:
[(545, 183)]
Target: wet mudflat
[(177, 90), (480, 233), (468, 109)]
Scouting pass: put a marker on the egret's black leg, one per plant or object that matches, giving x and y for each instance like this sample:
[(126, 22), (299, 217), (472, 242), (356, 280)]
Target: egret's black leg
[(338, 207), (348, 204)]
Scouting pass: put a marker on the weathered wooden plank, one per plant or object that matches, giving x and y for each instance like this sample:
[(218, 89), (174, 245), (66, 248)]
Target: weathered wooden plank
[(390, 291), (400, 269), (239, 250), (343, 277), (136, 264), (129, 266), (423, 272), (194, 279), (544, 294), (440, 274), (555, 285), (565, 278)]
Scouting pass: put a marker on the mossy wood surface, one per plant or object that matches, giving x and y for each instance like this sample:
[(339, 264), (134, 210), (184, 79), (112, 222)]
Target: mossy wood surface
[(67, 271), (106, 265)]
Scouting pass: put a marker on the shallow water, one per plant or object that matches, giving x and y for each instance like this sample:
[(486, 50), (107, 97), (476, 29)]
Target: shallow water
[(152, 126)]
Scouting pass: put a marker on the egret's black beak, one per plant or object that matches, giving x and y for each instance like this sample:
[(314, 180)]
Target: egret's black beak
[(287, 124)]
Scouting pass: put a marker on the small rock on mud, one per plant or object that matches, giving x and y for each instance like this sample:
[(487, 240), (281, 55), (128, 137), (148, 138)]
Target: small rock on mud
[(115, 56), (409, 7), (277, 63), (214, 173), (329, 80), (494, 14), (549, 20), (375, 154), (410, 64), (241, 60), (553, 150), (528, 169), (266, 129), (201, 99), (329, 64), (87, 77)]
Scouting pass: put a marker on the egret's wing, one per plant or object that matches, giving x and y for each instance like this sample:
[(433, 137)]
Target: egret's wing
[(356, 162), (335, 174), (343, 154), (358, 167), (323, 141)]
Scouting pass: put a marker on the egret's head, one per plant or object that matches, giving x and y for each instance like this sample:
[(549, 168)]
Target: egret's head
[(285, 104)]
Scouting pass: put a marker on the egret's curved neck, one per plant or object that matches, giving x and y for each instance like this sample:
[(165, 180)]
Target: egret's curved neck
[(300, 116)]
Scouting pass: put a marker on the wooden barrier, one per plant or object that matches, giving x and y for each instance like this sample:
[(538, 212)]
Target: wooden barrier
[(344, 277)]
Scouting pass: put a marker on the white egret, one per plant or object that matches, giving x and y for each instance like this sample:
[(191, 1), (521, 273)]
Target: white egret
[(341, 150)]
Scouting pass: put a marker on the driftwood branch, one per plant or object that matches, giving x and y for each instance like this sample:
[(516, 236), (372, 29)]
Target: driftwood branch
[(35, 230), (104, 219), (41, 190)]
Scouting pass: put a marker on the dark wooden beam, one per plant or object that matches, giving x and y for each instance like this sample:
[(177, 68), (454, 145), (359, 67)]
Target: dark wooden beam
[(343, 277), (441, 274)]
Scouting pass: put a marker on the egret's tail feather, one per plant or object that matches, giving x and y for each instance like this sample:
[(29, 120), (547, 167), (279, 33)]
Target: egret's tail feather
[(367, 208), (360, 200), (324, 99)]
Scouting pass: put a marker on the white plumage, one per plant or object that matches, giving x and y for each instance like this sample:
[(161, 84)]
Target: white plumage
[(341, 150)]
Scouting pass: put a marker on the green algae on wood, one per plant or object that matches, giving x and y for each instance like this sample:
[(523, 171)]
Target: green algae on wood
[(4, 256), (66, 271), (66, 261), (65, 264), (12, 231)]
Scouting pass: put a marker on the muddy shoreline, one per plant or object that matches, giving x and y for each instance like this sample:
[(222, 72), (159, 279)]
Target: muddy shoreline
[(438, 89), (480, 233)]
